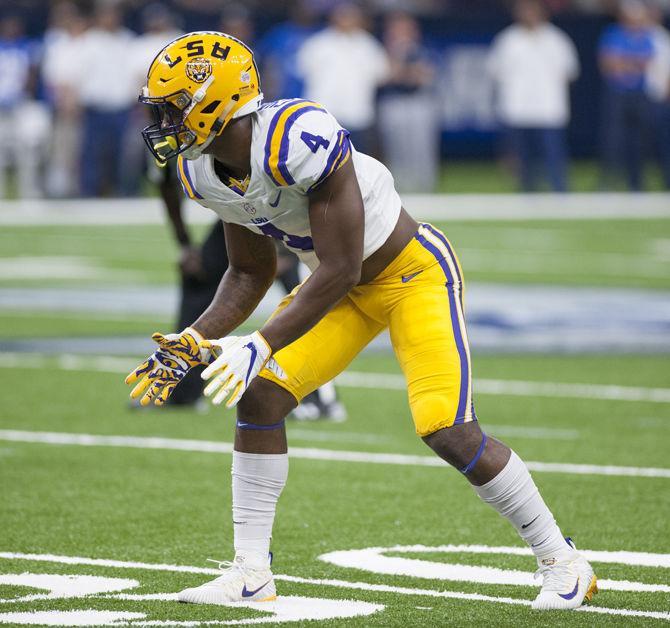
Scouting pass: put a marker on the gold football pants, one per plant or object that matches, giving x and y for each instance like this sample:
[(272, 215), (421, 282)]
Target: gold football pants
[(419, 298)]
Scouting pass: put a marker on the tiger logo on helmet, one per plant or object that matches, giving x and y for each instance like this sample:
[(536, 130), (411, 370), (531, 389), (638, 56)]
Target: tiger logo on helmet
[(199, 70), (196, 85)]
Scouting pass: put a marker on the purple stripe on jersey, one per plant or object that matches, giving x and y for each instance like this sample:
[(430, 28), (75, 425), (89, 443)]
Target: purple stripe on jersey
[(283, 147), (336, 157), (188, 178), (273, 126), (442, 238), (455, 325), (268, 141)]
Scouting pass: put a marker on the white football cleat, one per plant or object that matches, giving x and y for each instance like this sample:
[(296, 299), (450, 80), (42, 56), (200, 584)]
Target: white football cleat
[(568, 581), (238, 582)]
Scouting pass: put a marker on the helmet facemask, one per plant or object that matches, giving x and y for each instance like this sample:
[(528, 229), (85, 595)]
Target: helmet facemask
[(168, 136)]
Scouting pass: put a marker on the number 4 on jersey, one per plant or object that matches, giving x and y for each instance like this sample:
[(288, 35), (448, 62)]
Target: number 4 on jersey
[(314, 141)]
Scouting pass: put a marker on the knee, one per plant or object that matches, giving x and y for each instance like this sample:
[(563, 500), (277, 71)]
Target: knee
[(264, 402), (457, 444)]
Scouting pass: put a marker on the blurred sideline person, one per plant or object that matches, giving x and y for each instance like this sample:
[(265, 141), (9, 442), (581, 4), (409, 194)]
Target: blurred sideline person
[(159, 26), (408, 110), (657, 83), (287, 170), (533, 63), (625, 52), (278, 51), (24, 122), (342, 67), (62, 53), (108, 94)]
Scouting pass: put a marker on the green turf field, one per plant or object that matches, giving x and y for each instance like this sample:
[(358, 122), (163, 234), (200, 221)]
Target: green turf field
[(588, 252), (128, 505), (136, 503)]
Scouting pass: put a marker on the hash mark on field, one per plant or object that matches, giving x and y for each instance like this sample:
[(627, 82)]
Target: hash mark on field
[(306, 453), (360, 379), (342, 584)]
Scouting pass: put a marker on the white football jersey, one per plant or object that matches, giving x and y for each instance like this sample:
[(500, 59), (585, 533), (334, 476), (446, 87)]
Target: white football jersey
[(295, 146)]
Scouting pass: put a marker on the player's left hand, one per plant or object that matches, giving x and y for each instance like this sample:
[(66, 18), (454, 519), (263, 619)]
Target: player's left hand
[(238, 360)]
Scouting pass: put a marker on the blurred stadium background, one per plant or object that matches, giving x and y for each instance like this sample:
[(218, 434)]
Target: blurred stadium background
[(535, 134)]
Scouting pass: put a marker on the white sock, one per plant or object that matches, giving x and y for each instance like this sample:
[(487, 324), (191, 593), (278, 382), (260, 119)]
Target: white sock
[(514, 495), (258, 480)]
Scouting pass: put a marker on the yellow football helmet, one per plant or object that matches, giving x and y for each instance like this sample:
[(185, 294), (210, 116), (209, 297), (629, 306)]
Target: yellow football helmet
[(195, 86)]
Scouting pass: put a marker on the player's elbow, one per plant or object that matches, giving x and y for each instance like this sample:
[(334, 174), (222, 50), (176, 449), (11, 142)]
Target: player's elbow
[(348, 275)]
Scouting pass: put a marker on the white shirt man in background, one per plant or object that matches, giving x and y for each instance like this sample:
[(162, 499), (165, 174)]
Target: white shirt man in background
[(108, 91), (342, 67), (533, 64), (63, 52)]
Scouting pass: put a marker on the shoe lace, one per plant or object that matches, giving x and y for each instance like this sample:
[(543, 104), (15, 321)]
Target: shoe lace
[(554, 577), (227, 567)]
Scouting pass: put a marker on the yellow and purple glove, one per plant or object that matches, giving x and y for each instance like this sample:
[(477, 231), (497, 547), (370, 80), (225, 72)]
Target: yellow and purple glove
[(238, 360), (158, 375)]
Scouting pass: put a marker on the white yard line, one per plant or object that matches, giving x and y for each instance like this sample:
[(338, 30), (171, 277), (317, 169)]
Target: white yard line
[(359, 379), (389, 381), (306, 453), (461, 207), (343, 584)]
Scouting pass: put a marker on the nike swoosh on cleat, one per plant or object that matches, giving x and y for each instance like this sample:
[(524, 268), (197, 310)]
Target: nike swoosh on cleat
[(569, 596), (276, 200), (406, 278), (525, 525), (247, 593)]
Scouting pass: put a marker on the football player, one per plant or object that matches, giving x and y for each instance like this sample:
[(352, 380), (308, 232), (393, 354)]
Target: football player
[(287, 170)]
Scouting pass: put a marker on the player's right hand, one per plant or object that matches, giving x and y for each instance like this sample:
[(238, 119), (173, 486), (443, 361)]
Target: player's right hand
[(158, 375)]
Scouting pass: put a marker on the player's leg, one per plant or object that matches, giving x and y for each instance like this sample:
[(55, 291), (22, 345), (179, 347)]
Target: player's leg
[(260, 459), (428, 332)]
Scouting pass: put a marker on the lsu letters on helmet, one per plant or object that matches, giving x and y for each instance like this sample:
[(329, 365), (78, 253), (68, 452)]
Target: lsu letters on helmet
[(195, 86)]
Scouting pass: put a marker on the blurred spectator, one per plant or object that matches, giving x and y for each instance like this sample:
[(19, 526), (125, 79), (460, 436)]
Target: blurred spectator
[(278, 51), (108, 91), (236, 20), (159, 27), (342, 67), (625, 51), (533, 63), (62, 53), (408, 111), (658, 90), (24, 123)]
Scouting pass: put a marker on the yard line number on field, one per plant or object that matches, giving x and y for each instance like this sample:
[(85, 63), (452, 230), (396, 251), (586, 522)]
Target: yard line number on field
[(294, 605)]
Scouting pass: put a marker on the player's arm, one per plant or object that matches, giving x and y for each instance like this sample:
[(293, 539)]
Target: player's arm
[(252, 267), (337, 223), (252, 262)]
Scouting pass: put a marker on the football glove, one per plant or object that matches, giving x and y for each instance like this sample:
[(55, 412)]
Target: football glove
[(158, 375), (238, 360)]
